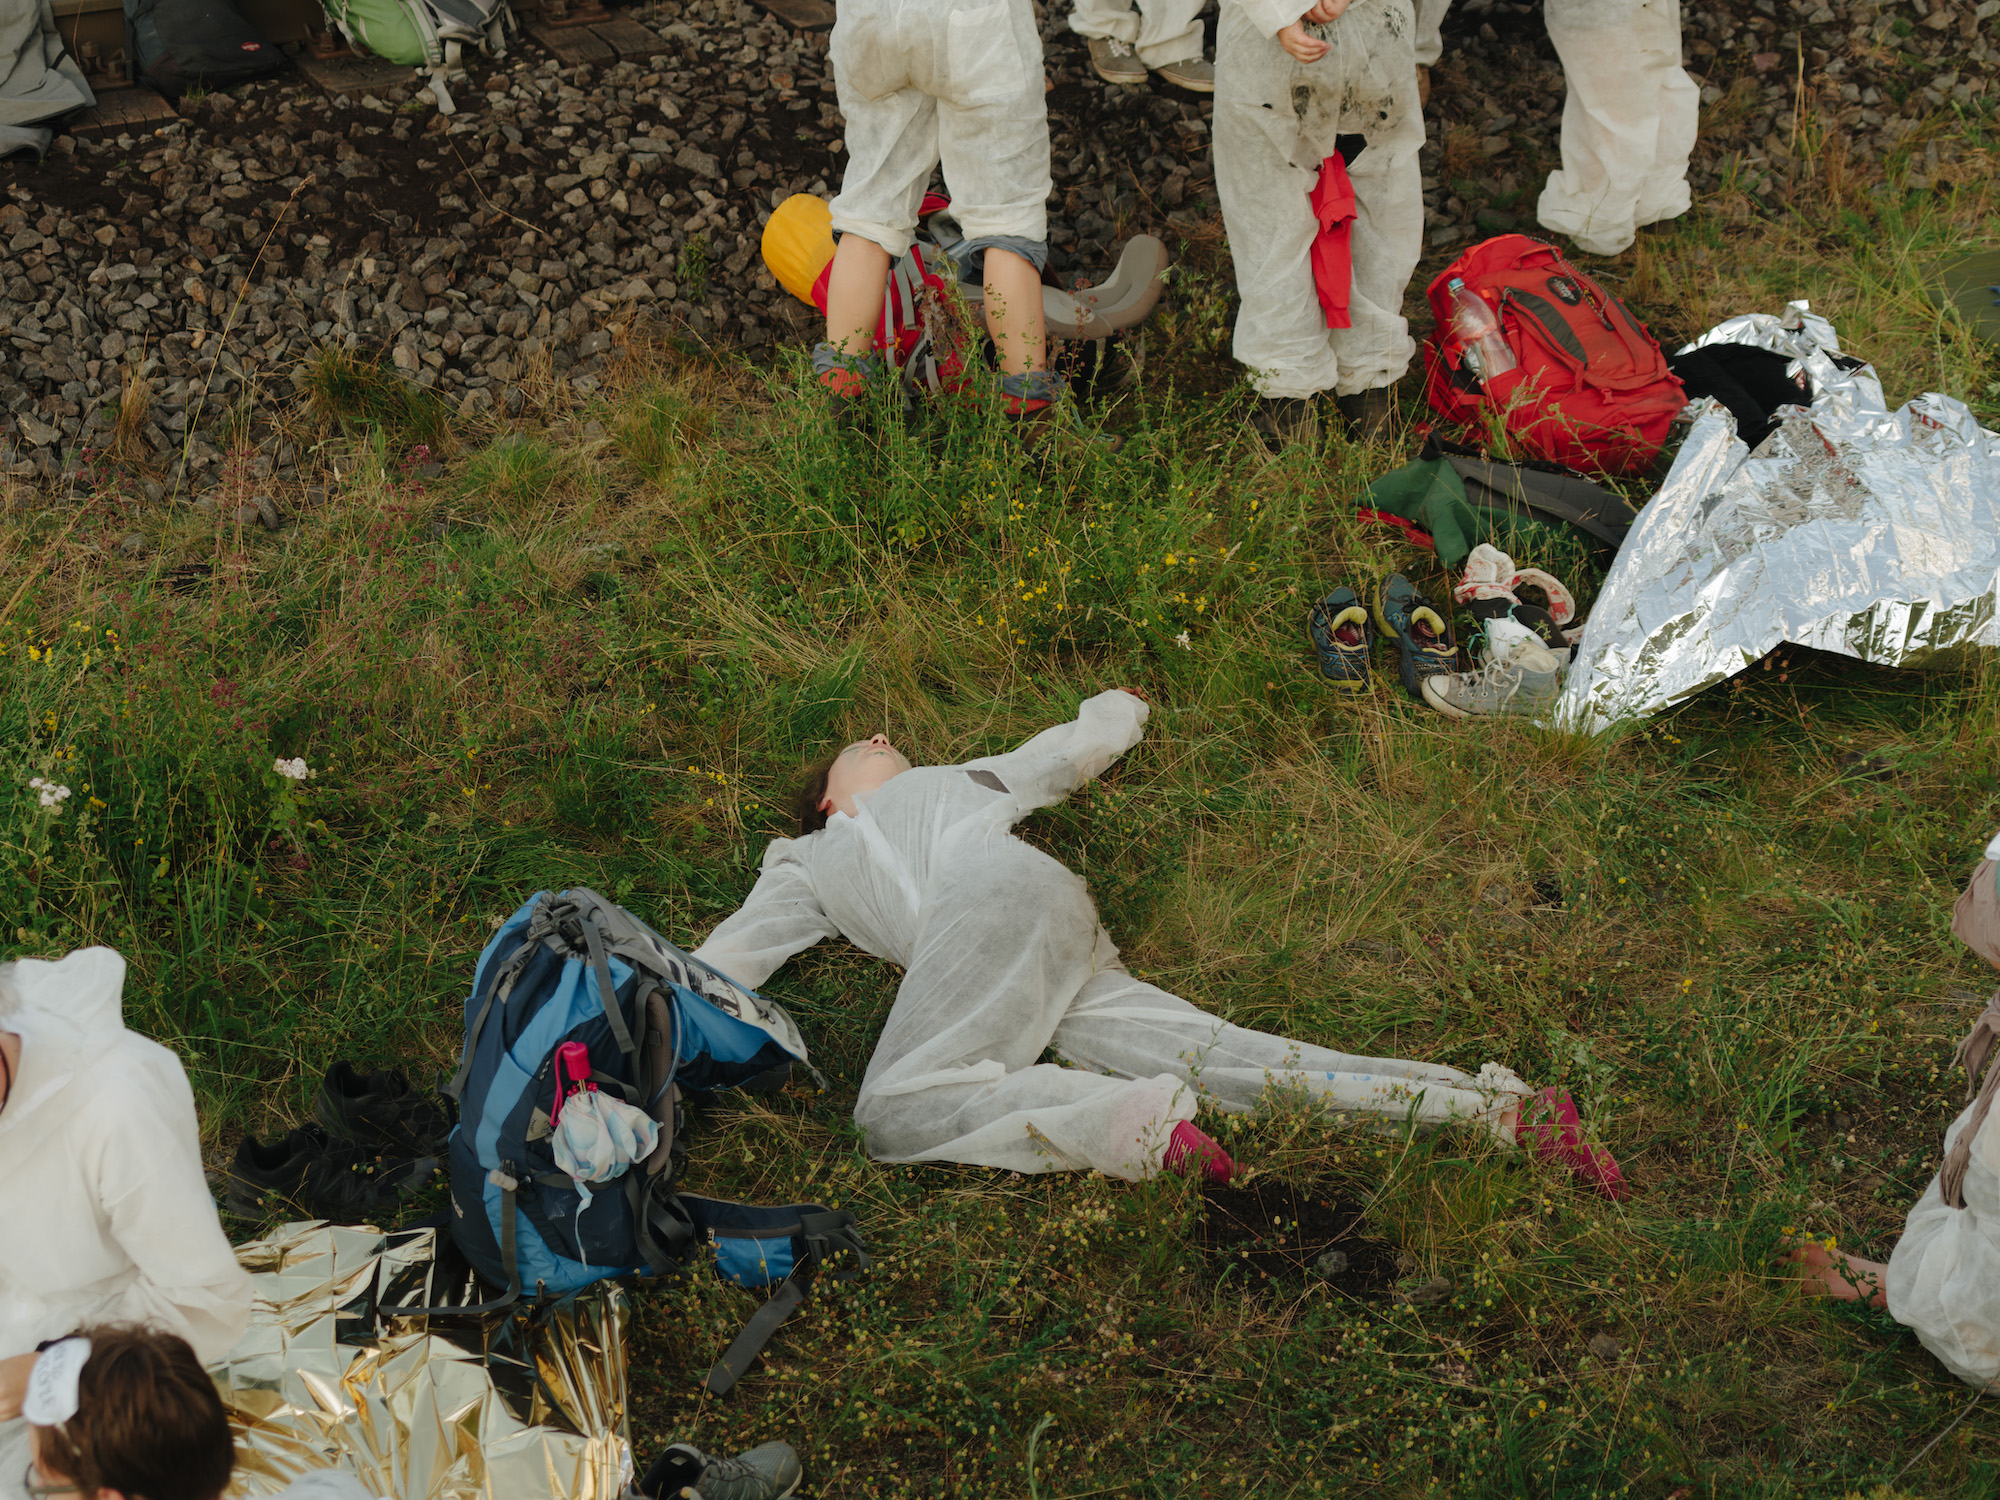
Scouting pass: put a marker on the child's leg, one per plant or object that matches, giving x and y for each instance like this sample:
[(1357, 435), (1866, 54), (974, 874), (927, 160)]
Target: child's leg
[(853, 308), (1628, 125), (1387, 238), (1280, 330), (1014, 311), (993, 138)]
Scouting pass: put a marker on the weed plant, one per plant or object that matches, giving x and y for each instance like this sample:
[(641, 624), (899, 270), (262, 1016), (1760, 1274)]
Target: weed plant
[(599, 648)]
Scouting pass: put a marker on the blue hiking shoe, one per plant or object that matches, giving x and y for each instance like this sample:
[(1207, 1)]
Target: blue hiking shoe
[(1420, 631), (1341, 635)]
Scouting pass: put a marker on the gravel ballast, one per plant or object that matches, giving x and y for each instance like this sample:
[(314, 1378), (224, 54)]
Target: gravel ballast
[(499, 254)]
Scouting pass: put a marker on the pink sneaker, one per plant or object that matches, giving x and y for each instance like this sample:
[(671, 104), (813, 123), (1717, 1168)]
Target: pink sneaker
[(1190, 1150), (1551, 1126)]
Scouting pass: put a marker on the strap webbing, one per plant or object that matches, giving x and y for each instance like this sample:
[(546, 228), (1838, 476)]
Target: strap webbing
[(594, 940), (755, 1335)]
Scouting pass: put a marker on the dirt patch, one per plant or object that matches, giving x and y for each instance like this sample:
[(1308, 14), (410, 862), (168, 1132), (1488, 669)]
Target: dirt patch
[(1275, 1233)]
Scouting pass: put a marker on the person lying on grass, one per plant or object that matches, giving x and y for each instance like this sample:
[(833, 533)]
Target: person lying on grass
[(1943, 1277), (1004, 958)]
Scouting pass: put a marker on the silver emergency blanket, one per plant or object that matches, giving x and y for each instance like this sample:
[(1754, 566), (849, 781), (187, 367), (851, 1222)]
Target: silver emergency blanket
[(324, 1379), (1852, 529)]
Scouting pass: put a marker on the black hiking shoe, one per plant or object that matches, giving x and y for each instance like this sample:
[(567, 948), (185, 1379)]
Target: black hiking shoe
[(306, 1172), (1421, 633), (381, 1112), (1282, 422), (1370, 414), (1340, 633)]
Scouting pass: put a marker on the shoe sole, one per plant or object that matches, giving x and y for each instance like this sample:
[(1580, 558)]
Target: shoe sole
[(1123, 80), (1193, 86), (1436, 701)]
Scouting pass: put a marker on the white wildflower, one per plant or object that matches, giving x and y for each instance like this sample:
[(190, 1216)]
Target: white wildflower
[(1182, 641), (292, 770), (52, 795)]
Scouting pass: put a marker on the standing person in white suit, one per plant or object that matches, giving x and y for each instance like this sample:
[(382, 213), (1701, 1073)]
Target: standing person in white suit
[(1629, 122), (1130, 37), (1943, 1278), (1292, 87), (105, 1214), (1004, 957), (957, 83)]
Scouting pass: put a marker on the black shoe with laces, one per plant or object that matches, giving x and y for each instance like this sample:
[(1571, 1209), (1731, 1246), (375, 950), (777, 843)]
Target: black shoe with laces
[(381, 1111), (308, 1173)]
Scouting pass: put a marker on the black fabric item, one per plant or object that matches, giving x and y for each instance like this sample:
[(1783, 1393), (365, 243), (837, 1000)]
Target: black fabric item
[(177, 45), (1750, 381), (1543, 490)]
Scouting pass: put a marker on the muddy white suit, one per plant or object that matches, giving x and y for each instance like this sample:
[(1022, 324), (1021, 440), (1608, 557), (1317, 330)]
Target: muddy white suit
[(1160, 31), (1276, 120), (1629, 121), (1003, 957)]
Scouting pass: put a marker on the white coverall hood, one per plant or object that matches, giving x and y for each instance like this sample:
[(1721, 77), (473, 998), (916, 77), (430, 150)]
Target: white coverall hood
[(107, 1213), (1004, 958)]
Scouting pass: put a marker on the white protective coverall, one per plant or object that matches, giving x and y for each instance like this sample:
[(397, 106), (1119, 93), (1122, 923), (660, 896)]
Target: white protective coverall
[(1629, 121), (105, 1214), (1628, 124), (1003, 957), (1944, 1274), (1160, 31), (1276, 120), (957, 81)]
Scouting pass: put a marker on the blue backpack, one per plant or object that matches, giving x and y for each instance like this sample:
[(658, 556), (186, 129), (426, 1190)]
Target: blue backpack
[(573, 967)]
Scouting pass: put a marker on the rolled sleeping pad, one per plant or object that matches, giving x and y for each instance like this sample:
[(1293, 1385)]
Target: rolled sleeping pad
[(1123, 300)]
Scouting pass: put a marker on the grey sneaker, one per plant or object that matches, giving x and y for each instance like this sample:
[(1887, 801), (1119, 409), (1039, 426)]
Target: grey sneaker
[(1115, 61), (1525, 680), (1195, 74), (769, 1471)]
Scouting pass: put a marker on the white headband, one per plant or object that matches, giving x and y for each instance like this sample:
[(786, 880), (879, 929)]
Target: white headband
[(51, 1395)]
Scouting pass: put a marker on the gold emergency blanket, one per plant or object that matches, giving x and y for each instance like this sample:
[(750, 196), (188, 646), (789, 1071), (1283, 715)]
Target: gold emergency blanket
[(527, 1405)]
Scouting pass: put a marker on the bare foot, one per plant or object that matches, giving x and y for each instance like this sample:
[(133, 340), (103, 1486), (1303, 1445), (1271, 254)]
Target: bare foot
[(1830, 1273)]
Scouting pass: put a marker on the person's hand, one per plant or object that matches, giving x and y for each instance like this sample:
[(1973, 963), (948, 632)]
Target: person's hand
[(1324, 11), (14, 1384), (1304, 48)]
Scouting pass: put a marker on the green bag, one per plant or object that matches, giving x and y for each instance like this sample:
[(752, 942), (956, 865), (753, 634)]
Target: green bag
[(1463, 501), (428, 34)]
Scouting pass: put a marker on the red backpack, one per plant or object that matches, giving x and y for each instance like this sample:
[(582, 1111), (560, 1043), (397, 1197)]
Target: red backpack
[(916, 324), (1592, 389)]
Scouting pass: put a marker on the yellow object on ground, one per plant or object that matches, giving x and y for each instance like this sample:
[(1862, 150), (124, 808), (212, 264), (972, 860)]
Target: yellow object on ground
[(798, 242)]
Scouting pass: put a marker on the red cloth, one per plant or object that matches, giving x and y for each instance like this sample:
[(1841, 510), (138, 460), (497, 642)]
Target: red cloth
[(1332, 249)]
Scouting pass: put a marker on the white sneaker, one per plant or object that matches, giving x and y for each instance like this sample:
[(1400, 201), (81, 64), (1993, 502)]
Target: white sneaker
[(1522, 679)]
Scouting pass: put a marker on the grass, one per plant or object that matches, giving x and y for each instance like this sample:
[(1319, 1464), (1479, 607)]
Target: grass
[(597, 649)]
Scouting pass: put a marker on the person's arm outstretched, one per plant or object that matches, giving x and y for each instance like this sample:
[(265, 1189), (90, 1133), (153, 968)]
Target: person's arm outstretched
[(780, 917), (1058, 761)]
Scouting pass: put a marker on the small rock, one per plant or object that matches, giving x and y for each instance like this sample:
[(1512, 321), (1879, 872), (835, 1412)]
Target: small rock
[(1843, 1123), (1606, 1348), (1331, 1262), (133, 545), (267, 511), (1424, 1293)]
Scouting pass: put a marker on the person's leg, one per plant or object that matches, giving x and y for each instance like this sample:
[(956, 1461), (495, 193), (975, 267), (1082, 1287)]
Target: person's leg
[(1628, 124), (993, 139), (891, 132), (1014, 311), (1387, 238), (1832, 1273), (956, 1075), (1116, 19), (1281, 334), (1123, 1026), (1169, 31), (1428, 43)]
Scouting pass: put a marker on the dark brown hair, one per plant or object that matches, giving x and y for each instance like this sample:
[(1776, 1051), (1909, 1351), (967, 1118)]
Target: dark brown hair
[(148, 1421), (806, 803)]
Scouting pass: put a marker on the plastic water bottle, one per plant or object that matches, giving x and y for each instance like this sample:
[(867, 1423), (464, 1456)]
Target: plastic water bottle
[(1473, 321)]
